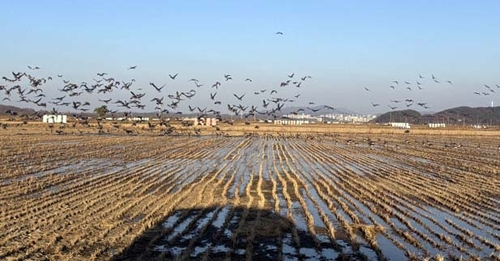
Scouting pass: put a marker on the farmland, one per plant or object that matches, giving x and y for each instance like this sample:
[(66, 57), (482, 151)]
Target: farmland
[(347, 196)]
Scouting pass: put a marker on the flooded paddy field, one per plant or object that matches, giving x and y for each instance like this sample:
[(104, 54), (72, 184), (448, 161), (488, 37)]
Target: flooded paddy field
[(296, 197)]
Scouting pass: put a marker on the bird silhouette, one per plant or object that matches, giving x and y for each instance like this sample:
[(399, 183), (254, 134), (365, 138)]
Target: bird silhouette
[(216, 85), (280, 33), (314, 110), (173, 76), (157, 88), (132, 67), (239, 97)]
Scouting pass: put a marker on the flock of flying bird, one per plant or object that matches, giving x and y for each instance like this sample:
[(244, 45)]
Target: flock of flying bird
[(419, 85), (409, 102), (489, 90), (31, 89)]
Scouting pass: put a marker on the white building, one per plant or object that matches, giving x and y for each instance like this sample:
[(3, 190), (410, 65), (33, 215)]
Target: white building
[(54, 118), (139, 119), (437, 125), (290, 122), (401, 125), (202, 121), (211, 121)]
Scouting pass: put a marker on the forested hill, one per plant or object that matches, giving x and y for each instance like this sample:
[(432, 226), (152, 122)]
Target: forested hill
[(457, 115)]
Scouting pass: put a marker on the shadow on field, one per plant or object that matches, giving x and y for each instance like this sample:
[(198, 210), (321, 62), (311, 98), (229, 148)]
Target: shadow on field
[(232, 233)]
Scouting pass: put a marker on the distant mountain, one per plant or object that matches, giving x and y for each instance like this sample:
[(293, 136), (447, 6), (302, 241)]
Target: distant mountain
[(5, 108), (458, 115), (410, 116), (289, 110)]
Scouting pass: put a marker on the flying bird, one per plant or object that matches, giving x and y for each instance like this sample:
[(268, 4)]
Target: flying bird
[(280, 33), (216, 85), (105, 101), (239, 97), (367, 89), (314, 110), (132, 67), (173, 76), (157, 88)]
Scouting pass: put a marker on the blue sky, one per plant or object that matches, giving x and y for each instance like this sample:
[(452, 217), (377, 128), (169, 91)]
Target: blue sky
[(344, 45)]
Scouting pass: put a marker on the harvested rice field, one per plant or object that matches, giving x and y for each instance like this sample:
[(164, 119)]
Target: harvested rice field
[(266, 197)]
